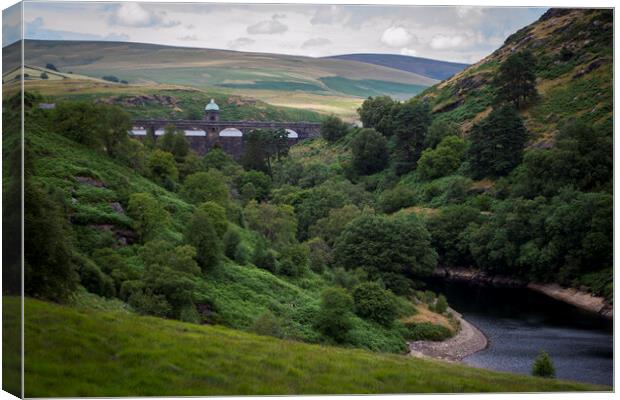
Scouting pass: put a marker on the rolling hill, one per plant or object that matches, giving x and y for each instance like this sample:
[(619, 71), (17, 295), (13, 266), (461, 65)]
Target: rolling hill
[(137, 63), (83, 352), (435, 69)]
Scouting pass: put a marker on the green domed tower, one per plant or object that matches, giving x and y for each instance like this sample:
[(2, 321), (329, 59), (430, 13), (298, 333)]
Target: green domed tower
[(212, 111)]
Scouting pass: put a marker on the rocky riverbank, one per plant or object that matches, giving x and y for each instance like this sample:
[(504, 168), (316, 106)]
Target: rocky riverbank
[(467, 341), (575, 297)]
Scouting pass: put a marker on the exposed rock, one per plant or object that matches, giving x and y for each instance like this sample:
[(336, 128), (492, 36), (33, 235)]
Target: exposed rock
[(124, 237), (141, 100), (591, 67)]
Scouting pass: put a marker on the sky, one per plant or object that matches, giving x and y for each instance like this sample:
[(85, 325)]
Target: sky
[(462, 34)]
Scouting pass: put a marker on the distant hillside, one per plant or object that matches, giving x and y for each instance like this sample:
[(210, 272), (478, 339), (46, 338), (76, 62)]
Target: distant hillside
[(573, 49), (239, 72), (435, 69)]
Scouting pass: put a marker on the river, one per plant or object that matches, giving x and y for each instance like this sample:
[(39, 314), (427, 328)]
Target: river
[(519, 323)]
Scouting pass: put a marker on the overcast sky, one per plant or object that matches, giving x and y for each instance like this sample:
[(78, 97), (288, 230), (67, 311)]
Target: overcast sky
[(461, 34)]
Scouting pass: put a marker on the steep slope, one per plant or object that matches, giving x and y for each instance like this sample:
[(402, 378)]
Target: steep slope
[(435, 69), (574, 53), (95, 353)]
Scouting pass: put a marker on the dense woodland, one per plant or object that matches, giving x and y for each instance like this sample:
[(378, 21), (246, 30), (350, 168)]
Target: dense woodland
[(324, 252)]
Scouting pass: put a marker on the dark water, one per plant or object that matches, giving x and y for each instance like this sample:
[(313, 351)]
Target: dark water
[(519, 323)]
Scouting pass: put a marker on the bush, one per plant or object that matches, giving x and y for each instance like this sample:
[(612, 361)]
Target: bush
[(395, 199), (206, 186), (217, 214), (94, 280), (443, 160), (261, 183), (294, 260), (264, 257), (334, 317), (441, 306), (427, 331), (543, 366), (267, 324), (201, 234), (110, 78), (148, 215), (320, 255), (375, 303), (162, 168)]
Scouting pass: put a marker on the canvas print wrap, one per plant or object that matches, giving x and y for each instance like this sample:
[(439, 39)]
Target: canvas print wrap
[(291, 199)]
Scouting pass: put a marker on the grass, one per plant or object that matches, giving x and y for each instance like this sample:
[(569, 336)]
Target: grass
[(78, 353)]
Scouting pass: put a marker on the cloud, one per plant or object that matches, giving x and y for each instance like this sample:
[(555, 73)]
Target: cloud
[(240, 42), (315, 42), (135, 16), (397, 36), (328, 15), (35, 29), (443, 42), (405, 51), (188, 38), (268, 27)]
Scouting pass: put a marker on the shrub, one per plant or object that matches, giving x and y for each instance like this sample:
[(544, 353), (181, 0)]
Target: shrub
[(261, 183), (394, 199), (320, 255), (334, 317), (375, 303), (264, 257), (206, 186), (443, 160), (267, 324), (162, 167), (427, 331), (543, 366), (148, 215), (333, 128), (441, 306), (217, 214), (294, 260), (201, 234)]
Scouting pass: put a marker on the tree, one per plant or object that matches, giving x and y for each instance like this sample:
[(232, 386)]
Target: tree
[(497, 143), (201, 234), (293, 260), (191, 164), (320, 255), (333, 128), (276, 223), (217, 214), (262, 147), (44, 75), (206, 186), (334, 316), (369, 150), (543, 366), (267, 324), (162, 168), (174, 141), (149, 217), (443, 160), (78, 122), (392, 200), (330, 227), (375, 303), (516, 79), (51, 66), (438, 130), (375, 112), (411, 122), (112, 127), (260, 181), (387, 248), (441, 306)]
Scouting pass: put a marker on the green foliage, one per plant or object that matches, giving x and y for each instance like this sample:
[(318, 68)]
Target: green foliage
[(162, 168), (330, 227), (174, 141), (427, 331), (543, 366), (438, 130), (320, 254), (267, 324), (334, 317), (293, 260), (516, 79), (369, 150), (202, 234), (217, 214), (384, 246), (392, 200), (149, 217), (93, 279), (441, 306), (411, 122), (333, 128), (374, 113), (497, 143), (375, 303), (444, 160), (206, 186), (262, 148), (449, 236), (276, 223), (264, 257), (259, 181)]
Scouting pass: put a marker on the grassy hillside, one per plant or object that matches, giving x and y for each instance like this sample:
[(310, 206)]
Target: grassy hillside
[(246, 73), (435, 69), (574, 53), (71, 352)]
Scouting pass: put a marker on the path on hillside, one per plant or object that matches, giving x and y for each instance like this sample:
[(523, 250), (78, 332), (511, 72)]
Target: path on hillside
[(467, 341)]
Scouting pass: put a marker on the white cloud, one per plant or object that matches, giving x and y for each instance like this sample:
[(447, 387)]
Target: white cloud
[(268, 27), (397, 36), (134, 15), (327, 15), (240, 42), (189, 38), (443, 42), (405, 51), (315, 42)]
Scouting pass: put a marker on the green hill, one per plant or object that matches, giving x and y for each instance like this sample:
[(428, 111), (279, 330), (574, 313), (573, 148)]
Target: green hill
[(77, 352)]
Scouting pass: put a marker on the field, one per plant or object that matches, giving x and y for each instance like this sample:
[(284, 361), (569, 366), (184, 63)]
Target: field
[(74, 352)]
